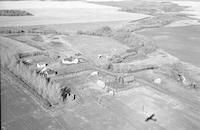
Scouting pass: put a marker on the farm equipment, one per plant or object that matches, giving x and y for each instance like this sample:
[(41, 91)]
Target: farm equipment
[(47, 72)]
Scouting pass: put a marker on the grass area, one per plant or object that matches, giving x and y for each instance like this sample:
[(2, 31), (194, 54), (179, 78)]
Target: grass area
[(136, 42), (182, 42), (37, 38), (27, 29)]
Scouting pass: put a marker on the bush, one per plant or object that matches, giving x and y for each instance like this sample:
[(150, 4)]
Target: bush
[(104, 31), (14, 13), (49, 91)]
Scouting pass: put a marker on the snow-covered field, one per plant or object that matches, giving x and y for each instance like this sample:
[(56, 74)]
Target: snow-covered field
[(105, 0), (60, 12), (181, 23), (193, 8)]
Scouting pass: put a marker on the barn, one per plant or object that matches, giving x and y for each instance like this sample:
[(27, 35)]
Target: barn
[(126, 79)]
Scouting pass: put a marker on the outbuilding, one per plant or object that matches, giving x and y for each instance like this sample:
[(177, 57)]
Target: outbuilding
[(101, 84), (70, 60)]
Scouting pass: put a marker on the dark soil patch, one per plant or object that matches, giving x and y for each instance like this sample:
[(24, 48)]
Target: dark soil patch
[(14, 13)]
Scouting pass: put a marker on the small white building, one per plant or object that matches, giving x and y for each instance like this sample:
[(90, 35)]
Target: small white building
[(157, 81), (70, 61), (94, 73), (41, 65), (101, 84)]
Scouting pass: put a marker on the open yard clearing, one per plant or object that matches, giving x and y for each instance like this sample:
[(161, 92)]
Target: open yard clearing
[(93, 46)]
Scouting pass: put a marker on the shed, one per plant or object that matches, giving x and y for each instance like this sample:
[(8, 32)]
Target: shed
[(70, 60)]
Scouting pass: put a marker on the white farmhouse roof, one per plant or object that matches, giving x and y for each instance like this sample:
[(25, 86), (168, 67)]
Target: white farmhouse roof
[(101, 84)]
